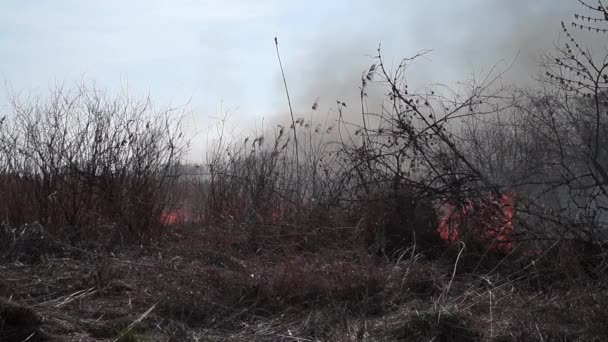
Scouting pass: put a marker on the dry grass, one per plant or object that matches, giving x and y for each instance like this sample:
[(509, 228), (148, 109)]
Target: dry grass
[(331, 236), (192, 287)]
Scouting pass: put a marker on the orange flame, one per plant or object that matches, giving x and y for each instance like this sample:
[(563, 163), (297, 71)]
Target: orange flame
[(172, 217), (493, 217)]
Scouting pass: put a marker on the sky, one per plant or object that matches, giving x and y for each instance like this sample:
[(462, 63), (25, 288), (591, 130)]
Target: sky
[(219, 56)]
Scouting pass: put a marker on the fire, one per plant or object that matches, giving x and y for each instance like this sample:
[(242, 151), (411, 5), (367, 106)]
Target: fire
[(171, 217), (492, 217)]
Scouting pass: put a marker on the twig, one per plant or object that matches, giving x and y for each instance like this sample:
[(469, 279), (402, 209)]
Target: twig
[(76, 295), (539, 334), (138, 320), (447, 290), (293, 121), (455, 267)]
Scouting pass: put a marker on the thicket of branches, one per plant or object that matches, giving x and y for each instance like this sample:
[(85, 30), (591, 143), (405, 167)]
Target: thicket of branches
[(551, 145), (85, 158), (392, 173), (386, 175), (442, 213)]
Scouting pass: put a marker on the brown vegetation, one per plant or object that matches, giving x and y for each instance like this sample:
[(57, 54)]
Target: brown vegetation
[(437, 218)]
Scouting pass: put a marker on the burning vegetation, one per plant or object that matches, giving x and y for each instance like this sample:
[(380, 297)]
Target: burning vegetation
[(489, 218), (419, 222)]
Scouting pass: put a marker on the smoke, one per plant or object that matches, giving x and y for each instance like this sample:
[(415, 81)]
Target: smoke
[(465, 38)]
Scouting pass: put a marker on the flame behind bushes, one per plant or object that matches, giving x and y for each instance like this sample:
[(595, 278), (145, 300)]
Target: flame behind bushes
[(491, 218), (84, 157)]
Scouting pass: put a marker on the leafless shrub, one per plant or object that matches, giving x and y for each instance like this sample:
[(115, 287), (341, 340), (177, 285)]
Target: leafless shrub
[(550, 145), (405, 160), (85, 157)]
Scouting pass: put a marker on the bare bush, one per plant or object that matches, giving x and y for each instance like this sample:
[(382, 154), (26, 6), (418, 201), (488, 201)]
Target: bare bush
[(409, 152), (84, 157), (387, 176)]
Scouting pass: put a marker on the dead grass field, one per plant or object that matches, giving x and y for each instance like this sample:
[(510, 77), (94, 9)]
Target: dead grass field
[(205, 285)]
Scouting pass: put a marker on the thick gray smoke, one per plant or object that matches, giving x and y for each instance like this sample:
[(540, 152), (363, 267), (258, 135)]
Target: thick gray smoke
[(466, 38)]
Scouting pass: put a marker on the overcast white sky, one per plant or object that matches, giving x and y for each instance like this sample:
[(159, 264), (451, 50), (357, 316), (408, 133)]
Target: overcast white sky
[(221, 53)]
